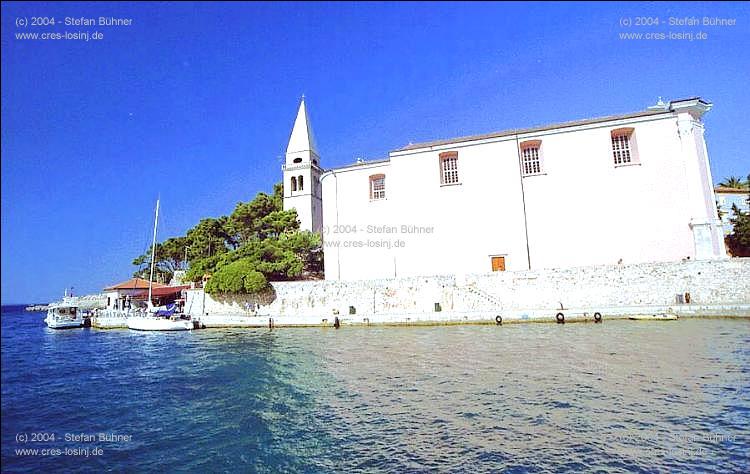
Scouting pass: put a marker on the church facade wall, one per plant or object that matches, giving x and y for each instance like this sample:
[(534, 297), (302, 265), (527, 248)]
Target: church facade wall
[(579, 209)]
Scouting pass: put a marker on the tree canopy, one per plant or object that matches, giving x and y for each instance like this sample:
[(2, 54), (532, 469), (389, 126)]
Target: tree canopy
[(739, 240), (170, 258), (257, 243), (732, 182), (237, 277)]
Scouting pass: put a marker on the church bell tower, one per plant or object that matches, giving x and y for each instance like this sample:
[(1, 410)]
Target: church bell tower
[(301, 170)]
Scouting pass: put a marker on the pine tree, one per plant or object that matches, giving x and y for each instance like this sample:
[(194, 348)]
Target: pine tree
[(739, 240)]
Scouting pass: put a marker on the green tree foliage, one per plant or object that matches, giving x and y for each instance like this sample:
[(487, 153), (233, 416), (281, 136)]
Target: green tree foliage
[(208, 238), (237, 277), (257, 243), (244, 223), (170, 256), (307, 247), (261, 218), (739, 240), (732, 182), (285, 257), (202, 266)]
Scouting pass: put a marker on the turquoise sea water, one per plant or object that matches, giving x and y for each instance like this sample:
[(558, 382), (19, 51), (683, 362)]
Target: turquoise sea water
[(621, 396)]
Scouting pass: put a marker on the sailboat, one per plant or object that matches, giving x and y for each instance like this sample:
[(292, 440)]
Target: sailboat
[(150, 320)]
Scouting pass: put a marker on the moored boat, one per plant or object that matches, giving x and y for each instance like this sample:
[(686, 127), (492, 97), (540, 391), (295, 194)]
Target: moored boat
[(148, 322), (65, 315), (156, 318)]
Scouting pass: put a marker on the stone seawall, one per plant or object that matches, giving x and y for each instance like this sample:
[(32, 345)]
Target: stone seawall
[(686, 288)]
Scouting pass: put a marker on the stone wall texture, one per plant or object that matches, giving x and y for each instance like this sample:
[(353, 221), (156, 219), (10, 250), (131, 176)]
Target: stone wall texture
[(709, 283)]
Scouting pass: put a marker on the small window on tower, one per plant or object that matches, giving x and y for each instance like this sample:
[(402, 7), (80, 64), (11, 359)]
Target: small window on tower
[(294, 183), (298, 160), (299, 183)]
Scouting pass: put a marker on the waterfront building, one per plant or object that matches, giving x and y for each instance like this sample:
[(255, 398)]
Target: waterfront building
[(727, 197), (627, 189), (119, 294)]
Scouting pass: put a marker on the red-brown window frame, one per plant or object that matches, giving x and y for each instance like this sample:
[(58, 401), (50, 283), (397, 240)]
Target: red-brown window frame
[(632, 149), (523, 146), (372, 178), (444, 156)]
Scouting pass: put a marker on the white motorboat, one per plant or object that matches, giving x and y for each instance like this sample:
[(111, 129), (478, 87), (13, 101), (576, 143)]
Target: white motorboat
[(65, 314)]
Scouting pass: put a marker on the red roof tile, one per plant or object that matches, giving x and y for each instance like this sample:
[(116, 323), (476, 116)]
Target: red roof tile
[(134, 284)]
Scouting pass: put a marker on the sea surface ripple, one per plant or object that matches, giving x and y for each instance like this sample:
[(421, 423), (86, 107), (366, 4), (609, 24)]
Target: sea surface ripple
[(621, 396)]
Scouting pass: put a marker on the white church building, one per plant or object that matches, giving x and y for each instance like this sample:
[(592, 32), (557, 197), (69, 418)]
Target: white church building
[(626, 189)]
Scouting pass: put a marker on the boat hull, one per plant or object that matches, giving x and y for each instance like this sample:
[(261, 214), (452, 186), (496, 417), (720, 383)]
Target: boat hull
[(159, 324), (63, 324)]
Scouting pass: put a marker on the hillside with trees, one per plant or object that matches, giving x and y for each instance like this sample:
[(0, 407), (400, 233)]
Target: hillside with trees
[(259, 242)]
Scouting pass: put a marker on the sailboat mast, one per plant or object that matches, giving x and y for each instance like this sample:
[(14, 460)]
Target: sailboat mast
[(153, 253)]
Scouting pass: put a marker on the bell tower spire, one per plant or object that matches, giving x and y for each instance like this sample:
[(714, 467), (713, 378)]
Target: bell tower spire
[(302, 138), (302, 172)]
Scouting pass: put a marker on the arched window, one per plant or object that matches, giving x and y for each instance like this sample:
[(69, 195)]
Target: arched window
[(294, 183), (531, 157), (299, 182), (377, 186)]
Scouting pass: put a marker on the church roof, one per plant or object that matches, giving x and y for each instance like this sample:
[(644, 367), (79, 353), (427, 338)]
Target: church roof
[(660, 108), (505, 133), (302, 138)]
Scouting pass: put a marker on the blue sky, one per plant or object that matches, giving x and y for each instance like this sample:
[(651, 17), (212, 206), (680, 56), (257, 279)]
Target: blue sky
[(195, 102)]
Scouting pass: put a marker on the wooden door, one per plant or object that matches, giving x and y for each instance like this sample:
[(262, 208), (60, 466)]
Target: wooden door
[(498, 264)]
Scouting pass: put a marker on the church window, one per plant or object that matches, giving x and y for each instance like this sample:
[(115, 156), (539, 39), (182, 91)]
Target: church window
[(294, 183), (299, 183), (298, 160), (623, 146), (377, 186), (531, 161), (449, 167)]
